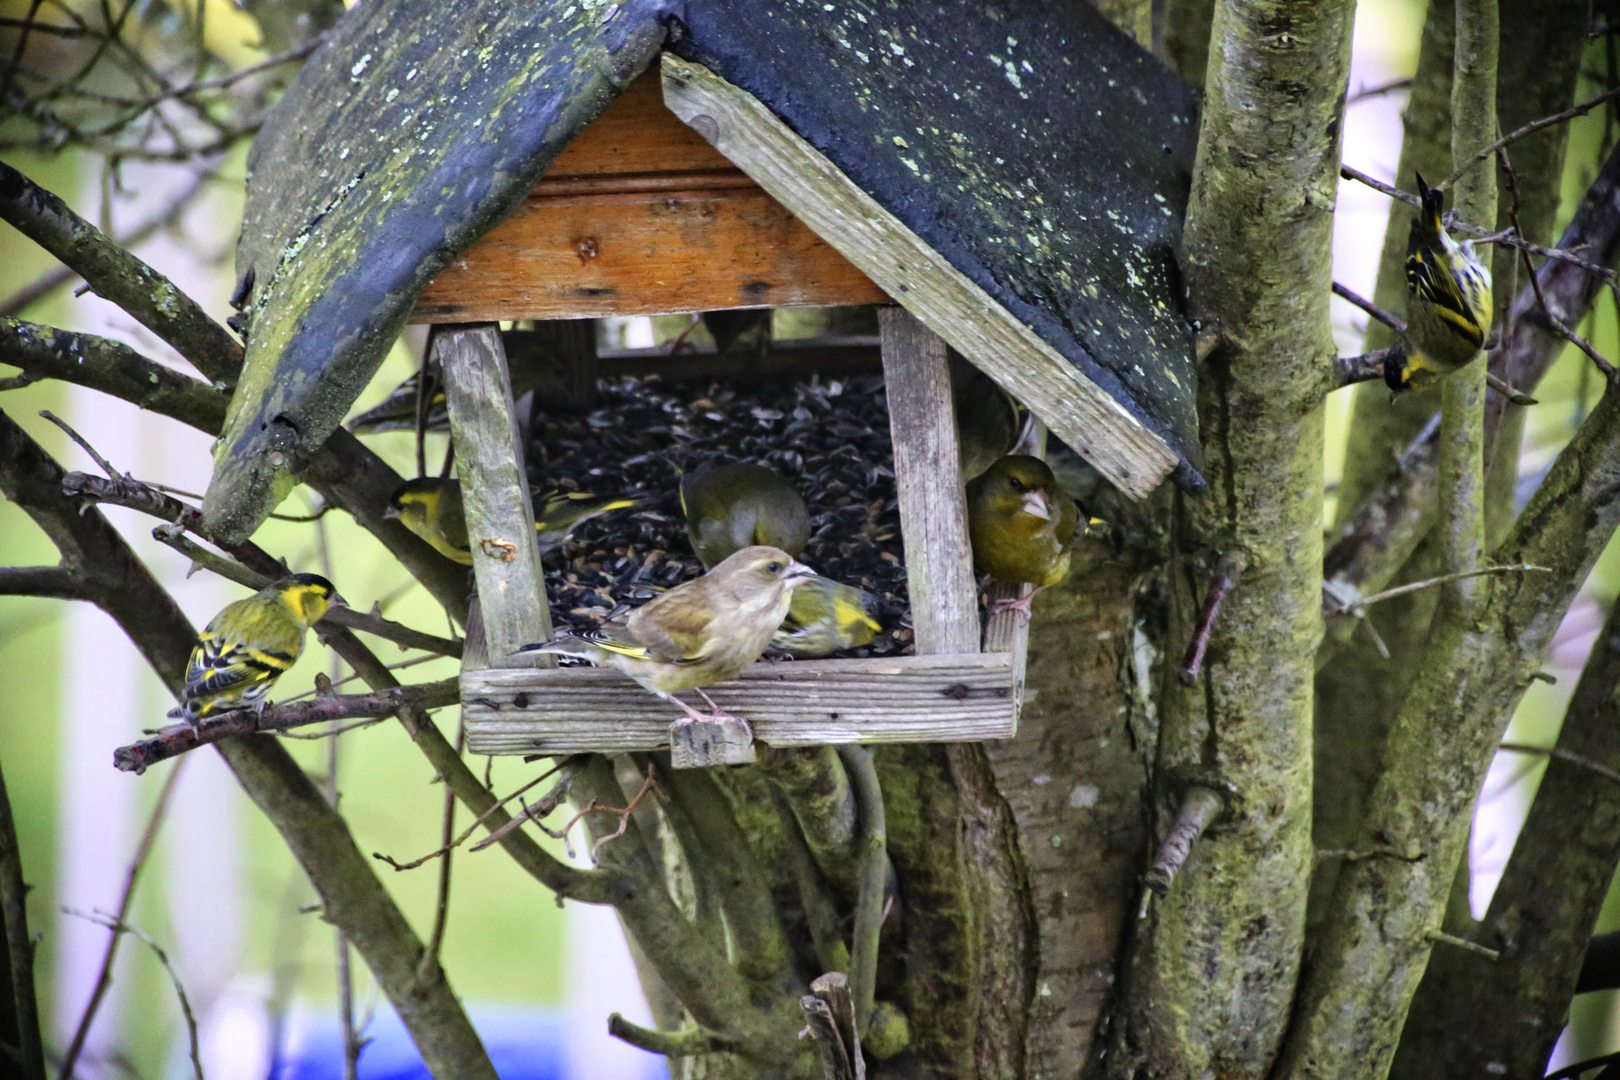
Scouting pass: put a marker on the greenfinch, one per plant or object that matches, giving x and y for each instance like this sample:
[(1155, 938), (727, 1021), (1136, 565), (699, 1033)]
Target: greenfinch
[(250, 643), (730, 507), (1448, 292), (988, 420), (431, 507), (1021, 524), (699, 633), (825, 617)]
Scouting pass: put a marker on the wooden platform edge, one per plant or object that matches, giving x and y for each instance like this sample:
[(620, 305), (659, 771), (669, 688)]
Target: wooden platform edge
[(953, 698), (798, 176)]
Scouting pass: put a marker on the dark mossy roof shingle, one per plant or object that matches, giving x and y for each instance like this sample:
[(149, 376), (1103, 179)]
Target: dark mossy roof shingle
[(1041, 151)]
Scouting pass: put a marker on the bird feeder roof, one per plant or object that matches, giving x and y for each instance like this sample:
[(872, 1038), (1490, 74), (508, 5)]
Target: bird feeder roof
[(1042, 153)]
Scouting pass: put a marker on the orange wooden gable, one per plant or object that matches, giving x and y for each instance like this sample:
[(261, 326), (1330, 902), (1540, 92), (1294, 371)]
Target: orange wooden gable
[(641, 216)]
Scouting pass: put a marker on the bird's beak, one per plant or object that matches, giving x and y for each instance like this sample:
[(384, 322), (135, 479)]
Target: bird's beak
[(797, 574), (1035, 503), (391, 514), (336, 600)]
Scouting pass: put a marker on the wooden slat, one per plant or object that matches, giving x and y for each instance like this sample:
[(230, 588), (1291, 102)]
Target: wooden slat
[(802, 179), (928, 479), (637, 134), (797, 703), (693, 248), (495, 490)]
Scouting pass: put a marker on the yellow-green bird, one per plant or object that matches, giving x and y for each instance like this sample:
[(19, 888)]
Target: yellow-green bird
[(248, 645), (730, 507), (699, 633), (431, 507), (988, 420), (1021, 524), (825, 617), (1448, 293)]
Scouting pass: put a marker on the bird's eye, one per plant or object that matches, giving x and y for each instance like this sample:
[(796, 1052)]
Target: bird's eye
[(1018, 485), (773, 567)]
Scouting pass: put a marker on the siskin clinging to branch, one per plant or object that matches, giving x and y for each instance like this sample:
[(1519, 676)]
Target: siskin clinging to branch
[(699, 633), (431, 507), (250, 643), (1448, 294)]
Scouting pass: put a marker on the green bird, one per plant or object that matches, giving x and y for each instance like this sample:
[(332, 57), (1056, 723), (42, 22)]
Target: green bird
[(826, 617), (699, 633), (249, 644), (431, 507), (988, 420), (730, 507), (1021, 524)]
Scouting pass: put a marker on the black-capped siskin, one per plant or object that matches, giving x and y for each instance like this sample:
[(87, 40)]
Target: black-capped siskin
[(248, 645), (431, 507), (1448, 294), (1021, 524), (730, 507), (699, 633), (825, 617)]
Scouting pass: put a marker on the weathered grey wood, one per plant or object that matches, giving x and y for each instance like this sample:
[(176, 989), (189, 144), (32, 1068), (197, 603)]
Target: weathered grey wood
[(928, 477), (959, 698), (797, 175), (495, 491), (1008, 632), (703, 744)]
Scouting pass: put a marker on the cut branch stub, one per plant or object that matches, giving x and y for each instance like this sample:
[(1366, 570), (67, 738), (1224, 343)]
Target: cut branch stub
[(1199, 807)]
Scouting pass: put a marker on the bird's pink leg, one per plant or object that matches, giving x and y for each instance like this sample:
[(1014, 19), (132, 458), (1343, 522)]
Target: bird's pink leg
[(1021, 604), (715, 711), (691, 713)]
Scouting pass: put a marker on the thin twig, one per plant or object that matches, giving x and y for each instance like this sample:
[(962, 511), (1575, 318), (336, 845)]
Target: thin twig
[(28, 1055), (1463, 943), (1379, 91), (1199, 807), (687, 1043), (441, 909), (149, 835), (551, 800), (1356, 606), (84, 444), (1227, 573), (1563, 755), (1530, 129), (1394, 322), (119, 926)]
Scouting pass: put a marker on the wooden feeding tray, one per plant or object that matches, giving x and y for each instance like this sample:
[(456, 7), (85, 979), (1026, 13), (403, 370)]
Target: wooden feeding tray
[(641, 216)]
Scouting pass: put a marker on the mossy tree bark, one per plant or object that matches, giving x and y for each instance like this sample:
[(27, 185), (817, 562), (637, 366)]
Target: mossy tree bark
[(1213, 970)]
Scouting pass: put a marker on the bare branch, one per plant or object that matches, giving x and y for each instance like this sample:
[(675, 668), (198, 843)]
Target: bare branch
[(872, 874), (30, 1063), (1227, 574), (1199, 808), (119, 926), (178, 739), (152, 299), (104, 975), (57, 582), (1530, 129), (1392, 321), (688, 1043)]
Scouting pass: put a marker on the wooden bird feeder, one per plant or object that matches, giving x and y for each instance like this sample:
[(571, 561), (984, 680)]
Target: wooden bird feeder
[(689, 194), (642, 216)]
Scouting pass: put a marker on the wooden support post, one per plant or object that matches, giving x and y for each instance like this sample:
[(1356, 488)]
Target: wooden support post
[(1008, 631), (560, 357), (495, 492), (702, 744), (928, 475)]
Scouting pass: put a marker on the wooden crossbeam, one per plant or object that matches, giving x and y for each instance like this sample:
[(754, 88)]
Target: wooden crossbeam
[(791, 703)]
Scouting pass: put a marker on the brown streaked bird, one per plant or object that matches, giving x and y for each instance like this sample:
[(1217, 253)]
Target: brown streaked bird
[(702, 632), (1021, 524), (730, 507)]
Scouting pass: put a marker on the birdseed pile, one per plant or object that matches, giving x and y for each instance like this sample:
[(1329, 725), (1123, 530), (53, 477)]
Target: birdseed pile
[(830, 438)]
